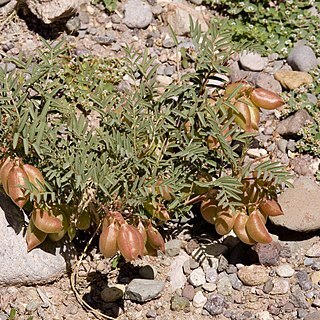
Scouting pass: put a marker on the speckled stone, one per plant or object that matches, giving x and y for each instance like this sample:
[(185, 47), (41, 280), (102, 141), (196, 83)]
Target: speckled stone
[(253, 275)]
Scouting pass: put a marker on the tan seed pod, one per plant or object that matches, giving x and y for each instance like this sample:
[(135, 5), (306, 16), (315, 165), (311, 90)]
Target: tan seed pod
[(239, 228), (255, 117), (155, 239), (209, 209), (45, 220), (130, 242), (108, 240), (270, 208), (3, 164), (257, 229), (35, 177), (15, 185), (243, 117), (34, 236), (266, 99), (141, 228), (224, 222)]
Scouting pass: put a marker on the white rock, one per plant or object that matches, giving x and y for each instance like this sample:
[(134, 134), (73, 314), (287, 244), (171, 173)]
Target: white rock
[(19, 267), (199, 300), (197, 277), (285, 271), (177, 277), (252, 61)]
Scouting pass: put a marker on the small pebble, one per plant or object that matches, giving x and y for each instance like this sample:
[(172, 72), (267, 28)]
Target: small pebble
[(197, 277), (285, 271)]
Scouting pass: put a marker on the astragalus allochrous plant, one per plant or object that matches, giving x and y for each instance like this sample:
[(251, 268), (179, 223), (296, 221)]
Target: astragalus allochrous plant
[(126, 160)]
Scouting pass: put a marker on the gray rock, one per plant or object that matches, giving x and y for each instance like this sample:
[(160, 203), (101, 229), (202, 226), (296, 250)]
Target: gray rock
[(211, 275), (179, 303), (147, 272), (302, 58), (304, 280), (112, 294), (298, 299), (215, 304), (224, 286), (173, 247), (142, 290), (7, 66), (107, 39), (268, 82), (137, 14), (223, 264), (197, 277), (285, 271), (196, 2), (235, 281), (177, 277), (151, 313), (294, 123), (252, 61), (280, 286), (52, 10), (18, 267), (282, 145), (268, 286), (269, 253), (301, 206), (73, 24)]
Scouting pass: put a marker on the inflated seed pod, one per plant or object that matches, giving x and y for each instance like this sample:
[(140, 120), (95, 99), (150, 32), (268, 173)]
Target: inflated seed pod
[(270, 208), (45, 220), (154, 238), (141, 228), (257, 229), (84, 220), (254, 117), (3, 164), (224, 222), (35, 176), (130, 242), (209, 209), (244, 89), (34, 236), (243, 117), (266, 99), (239, 228), (108, 240), (15, 185)]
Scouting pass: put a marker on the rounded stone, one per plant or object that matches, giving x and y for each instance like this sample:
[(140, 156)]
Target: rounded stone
[(138, 14), (285, 271), (253, 275), (302, 58), (252, 61)]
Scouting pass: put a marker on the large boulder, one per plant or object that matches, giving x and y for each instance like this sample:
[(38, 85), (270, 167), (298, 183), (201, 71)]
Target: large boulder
[(301, 206), (52, 10), (18, 267)]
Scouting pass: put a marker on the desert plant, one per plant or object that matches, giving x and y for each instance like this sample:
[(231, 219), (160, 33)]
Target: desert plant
[(138, 156)]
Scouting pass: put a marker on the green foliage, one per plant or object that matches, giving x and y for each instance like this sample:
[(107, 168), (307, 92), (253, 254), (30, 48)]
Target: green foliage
[(98, 145), (275, 25), (110, 5)]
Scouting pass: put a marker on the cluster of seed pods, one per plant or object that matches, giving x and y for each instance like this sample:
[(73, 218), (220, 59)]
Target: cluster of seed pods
[(132, 242), (248, 102), (248, 224), (45, 220)]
